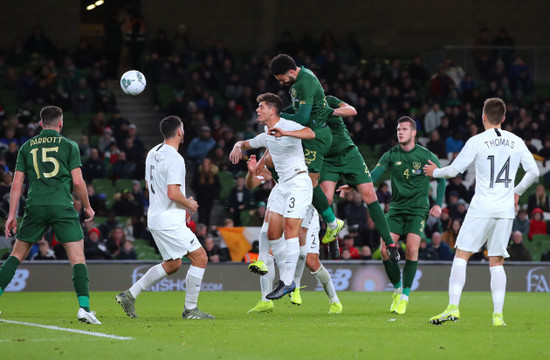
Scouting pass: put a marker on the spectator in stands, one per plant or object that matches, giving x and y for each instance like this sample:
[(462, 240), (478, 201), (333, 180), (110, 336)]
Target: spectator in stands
[(215, 254), (517, 250), (349, 246), (383, 193), (460, 210), (206, 185), (94, 246), (345, 254), (239, 200), (366, 253), (537, 225), (44, 251), (257, 215), (441, 84), (454, 143), (123, 169), (545, 151), (426, 251), (356, 212), (115, 240), (450, 235), (452, 204), (97, 201), (436, 145), (94, 167), (125, 204), (84, 147), (200, 146), (442, 249), (161, 45), (110, 224), (82, 98), (105, 139), (432, 119), (521, 222), (539, 200), (127, 251), (369, 236)]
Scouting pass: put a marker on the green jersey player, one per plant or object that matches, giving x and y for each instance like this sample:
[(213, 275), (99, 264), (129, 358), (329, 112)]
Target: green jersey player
[(51, 163), (409, 205), (309, 108), (344, 160)]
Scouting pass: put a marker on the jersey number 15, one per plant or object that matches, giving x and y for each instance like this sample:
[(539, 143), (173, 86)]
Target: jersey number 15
[(45, 159)]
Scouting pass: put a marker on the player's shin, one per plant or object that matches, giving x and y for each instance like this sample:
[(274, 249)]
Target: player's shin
[(393, 272), (300, 266), (292, 255), (409, 271), (266, 281), (457, 280), (7, 271), (323, 276), (81, 285), (151, 278), (193, 282), (278, 247), (498, 287), (380, 222), (320, 202)]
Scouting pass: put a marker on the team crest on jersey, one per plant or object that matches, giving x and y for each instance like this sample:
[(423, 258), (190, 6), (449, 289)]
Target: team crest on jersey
[(416, 168), (397, 163)]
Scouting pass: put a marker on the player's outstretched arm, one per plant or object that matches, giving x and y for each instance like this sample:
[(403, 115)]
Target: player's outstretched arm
[(431, 169), (15, 196), (340, 107), (305, 133), (302, 116), (256, 175)]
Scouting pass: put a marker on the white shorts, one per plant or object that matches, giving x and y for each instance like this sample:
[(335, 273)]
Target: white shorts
[(311, 223), (292, 197), (174, 244), (477, 231), (275, 200)]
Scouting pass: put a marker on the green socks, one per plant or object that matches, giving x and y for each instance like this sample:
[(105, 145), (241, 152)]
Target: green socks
[(379, 219), (81, 285), (7, 271), (409, 271), (394, 273), (320, 203)]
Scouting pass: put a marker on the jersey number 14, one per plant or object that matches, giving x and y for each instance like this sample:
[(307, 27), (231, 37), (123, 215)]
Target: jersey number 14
[(503, 175)]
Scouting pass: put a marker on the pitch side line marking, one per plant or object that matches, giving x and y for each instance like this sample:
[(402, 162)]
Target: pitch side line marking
[(92, 333)]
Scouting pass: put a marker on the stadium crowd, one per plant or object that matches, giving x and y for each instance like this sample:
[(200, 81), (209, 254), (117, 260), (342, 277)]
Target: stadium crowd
[(213, 90)]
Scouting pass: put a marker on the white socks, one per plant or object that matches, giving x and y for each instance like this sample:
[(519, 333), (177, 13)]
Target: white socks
[(323, 277), (151, 278), (333, 224), (193, 282), (278, 248), (292, 255), (457, 280), (266, 281), (300, 266), (263, 246), (498, 287)]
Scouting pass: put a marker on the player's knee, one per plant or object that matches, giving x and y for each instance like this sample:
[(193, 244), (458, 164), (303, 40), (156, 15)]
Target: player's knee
[(199, 258), (172, 266), (312, 262)]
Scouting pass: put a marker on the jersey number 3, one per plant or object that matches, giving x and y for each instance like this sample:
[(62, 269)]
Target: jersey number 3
[(45, 159), (503, 175)]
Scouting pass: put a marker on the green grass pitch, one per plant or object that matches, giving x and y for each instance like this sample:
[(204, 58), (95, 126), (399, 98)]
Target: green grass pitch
[(364, 330)]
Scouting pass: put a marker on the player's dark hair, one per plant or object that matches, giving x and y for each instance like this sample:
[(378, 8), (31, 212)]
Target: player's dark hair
[(169, 126), (50, 115), (494, 110), (407, 119), (282, 63), (271, 100)]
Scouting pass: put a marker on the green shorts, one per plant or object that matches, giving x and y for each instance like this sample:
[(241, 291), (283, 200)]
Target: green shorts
[(64, 221), (316, 149), (404, 222), (350, 165)]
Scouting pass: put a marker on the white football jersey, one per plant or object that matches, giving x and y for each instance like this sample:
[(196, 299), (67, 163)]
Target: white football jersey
[(497, 155), (164, 166), (286, 151)]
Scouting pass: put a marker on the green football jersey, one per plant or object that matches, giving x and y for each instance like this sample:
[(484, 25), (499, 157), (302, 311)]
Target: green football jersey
[(308, 90), (341, 141), (410, 186), (47, 161)]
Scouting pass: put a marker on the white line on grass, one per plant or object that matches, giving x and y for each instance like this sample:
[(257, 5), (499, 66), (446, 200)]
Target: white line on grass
[(92, 333)]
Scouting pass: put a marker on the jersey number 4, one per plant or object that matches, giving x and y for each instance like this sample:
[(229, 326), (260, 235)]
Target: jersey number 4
[(45, 159), (503, 175)]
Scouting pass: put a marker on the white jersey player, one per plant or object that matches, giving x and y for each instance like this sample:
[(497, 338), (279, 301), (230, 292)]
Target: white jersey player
[(283, 140), (166, 217), (497, 155)]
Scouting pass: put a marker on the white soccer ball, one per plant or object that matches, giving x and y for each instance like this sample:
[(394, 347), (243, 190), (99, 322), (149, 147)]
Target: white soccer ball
[(132, 82)]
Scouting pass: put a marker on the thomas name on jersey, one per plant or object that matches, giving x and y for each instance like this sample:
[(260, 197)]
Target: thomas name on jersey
[(499, 142)]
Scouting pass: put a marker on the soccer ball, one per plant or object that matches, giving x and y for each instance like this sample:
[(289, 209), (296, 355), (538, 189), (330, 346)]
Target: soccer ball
[(132, 82)]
